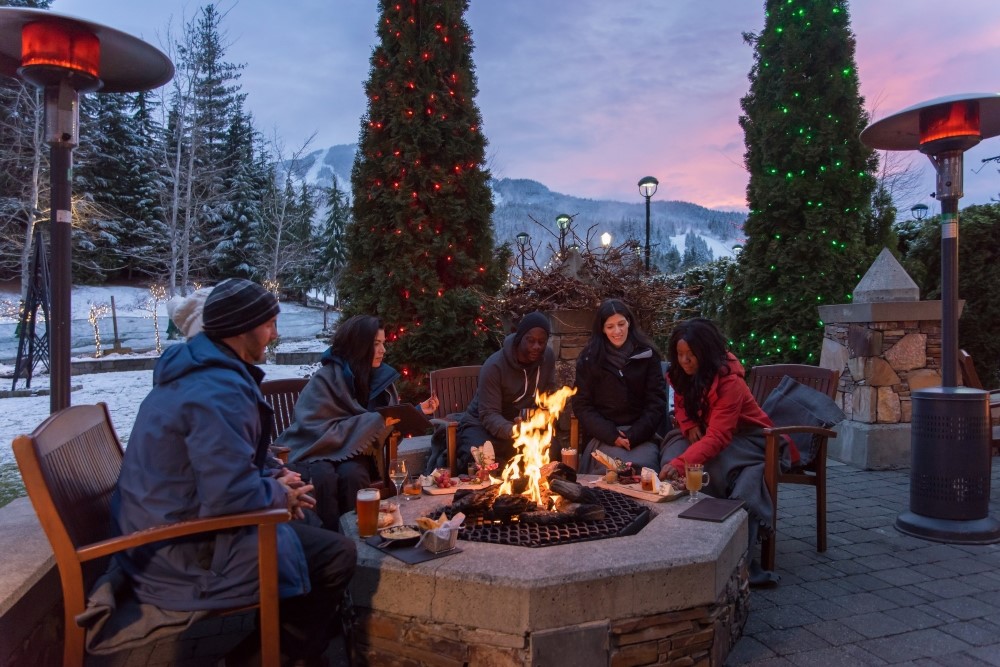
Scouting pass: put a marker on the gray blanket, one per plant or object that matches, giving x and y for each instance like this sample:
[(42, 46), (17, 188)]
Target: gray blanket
[(115, 620)]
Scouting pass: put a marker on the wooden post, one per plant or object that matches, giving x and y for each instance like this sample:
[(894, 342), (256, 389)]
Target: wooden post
[(114, 323)]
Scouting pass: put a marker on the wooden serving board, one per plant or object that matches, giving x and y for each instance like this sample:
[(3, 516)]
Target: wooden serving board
[(635, 491), (437, 491)]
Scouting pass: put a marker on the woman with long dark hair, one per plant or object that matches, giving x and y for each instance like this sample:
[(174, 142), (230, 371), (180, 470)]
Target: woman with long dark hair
[(719, 425), (335, 416), (620, 395)]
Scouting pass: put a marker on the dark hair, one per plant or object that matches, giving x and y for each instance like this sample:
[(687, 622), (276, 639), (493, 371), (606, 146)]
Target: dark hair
[(354, 343), (597, 344), (709, 346)]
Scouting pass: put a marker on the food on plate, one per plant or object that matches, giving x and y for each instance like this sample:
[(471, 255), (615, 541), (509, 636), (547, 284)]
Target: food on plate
[(400, 533), (385, 519), (442, 478), (388, 506)]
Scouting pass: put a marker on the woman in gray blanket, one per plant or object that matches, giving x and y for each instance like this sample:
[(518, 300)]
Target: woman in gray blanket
[(335, 415), (719, 425)]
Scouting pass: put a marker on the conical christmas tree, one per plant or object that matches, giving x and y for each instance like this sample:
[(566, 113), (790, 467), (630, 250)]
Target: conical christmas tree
[(420, 247), (811, 183)]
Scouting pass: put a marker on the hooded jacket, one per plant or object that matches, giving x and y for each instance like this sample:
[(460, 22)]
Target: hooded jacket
[(197, 450), (330, 424), (607, 399), (506, 387), (731, 409)]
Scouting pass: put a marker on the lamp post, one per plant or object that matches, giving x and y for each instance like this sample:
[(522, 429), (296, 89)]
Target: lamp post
[(522, 245), (950, 431), (65, 57), (918, 211), (647, 188), (562, 222)]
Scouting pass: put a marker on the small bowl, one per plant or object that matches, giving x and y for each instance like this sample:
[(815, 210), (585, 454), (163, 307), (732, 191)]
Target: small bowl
[(400, 536)]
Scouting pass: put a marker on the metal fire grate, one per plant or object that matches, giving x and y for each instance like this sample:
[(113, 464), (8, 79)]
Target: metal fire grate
[(623, 516)]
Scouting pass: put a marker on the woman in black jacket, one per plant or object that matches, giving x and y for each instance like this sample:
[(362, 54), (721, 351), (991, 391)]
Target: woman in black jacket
[(620, 391)]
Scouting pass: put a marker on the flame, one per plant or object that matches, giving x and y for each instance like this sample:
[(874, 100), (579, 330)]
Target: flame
[(532, 439)]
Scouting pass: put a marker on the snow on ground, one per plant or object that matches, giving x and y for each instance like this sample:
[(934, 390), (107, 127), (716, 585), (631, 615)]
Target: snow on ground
[(298, 327)]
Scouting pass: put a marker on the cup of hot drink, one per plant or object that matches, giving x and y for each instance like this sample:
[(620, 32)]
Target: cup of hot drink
[(367, 508), (571, 457), (695, 477)]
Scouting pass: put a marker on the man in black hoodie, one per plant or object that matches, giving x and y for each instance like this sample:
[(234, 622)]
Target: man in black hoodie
[(508, 382)]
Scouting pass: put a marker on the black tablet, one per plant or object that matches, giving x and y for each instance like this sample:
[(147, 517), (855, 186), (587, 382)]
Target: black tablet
[(412, 420)]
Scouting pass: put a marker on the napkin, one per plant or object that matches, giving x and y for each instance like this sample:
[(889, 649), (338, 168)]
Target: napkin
[(444, 536)]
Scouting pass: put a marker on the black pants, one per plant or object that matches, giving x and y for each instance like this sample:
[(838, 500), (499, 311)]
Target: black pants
[(310, 621)]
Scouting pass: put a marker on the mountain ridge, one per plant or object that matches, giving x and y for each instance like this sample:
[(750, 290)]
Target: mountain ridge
[(525, 205)]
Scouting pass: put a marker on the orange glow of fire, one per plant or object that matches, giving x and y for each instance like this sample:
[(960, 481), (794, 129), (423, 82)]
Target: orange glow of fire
[(56, 45), (959, 119), (532, 439)]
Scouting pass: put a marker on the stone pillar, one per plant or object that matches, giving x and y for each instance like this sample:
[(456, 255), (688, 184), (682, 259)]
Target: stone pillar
[(886, 344)]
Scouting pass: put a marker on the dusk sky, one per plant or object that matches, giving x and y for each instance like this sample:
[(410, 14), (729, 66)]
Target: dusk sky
[(588, 96)]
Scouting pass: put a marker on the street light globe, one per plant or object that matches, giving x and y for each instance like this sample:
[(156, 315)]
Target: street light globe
[(522, 238), (919, 211), (562, 221), (606, 239), (647, 186)]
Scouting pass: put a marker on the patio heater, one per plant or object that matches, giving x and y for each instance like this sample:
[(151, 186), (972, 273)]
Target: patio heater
[(950, 429), (65, 56)]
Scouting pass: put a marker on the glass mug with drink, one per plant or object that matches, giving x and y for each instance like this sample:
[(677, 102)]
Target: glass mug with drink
[(571, 457), (646, 480), (695, 477), (367, 508)]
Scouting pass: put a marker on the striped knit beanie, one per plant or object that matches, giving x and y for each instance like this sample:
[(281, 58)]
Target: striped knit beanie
[(236, 306)]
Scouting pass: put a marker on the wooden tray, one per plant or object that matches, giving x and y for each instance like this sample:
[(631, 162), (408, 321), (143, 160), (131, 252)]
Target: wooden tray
[(437, 491), (635, 491)]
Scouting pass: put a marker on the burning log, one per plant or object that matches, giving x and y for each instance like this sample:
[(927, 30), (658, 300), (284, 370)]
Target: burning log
[(558, 470), (565, 514), (507, 507), (572, 491)]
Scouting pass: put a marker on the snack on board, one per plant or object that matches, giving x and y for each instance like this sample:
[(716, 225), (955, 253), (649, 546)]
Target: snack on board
[(385, 519)]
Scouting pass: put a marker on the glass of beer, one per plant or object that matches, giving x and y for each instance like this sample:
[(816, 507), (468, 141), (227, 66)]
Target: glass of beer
[(571, 458), (694, 479), (367, 509)]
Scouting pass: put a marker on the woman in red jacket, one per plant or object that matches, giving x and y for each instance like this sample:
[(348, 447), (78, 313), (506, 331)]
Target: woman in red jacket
[(719, 425)]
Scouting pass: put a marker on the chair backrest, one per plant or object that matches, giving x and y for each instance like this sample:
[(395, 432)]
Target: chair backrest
[(454, 388), (970, 378), (70, 466), (763, 379), (282, 394)]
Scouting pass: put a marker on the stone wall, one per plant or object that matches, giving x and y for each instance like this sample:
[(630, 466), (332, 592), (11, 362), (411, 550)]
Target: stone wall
[(881, 363), (699, 636)]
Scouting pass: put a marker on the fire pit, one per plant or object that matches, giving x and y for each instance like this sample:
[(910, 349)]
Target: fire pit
[(664, 590), (674, 592)]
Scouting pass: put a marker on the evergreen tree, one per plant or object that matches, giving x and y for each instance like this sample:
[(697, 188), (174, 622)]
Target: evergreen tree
[(331, 255), (420, 247), (235, 252), (811, 182)]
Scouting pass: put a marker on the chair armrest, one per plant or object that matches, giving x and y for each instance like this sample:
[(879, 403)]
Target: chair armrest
[(180, 529), (815, 430)]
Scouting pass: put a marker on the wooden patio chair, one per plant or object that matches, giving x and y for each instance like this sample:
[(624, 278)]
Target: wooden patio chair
[(70, 465), (762, 381), (455, 387), (282, 394), (970, 378)]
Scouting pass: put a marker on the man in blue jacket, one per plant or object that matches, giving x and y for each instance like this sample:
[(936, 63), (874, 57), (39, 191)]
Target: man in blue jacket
[(198, 449)]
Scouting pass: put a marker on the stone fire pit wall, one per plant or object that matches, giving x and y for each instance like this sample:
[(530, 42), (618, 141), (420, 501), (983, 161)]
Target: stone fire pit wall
[(676, 593), (886, 344)]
